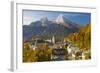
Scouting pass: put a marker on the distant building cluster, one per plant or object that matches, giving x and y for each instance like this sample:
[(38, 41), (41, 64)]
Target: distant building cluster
[(72, 52)]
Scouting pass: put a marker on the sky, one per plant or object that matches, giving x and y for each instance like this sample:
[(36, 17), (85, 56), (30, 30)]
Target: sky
[(33, 15)]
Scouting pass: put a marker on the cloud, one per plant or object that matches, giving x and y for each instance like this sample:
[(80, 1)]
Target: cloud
[(27, 19)]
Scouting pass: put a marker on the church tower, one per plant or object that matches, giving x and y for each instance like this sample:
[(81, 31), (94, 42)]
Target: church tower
[(53, 40)]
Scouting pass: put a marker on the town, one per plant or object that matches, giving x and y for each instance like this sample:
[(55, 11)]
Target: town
[(61, 50)]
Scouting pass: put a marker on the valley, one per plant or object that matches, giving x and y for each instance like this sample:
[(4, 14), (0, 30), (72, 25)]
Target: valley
[(57, 40)]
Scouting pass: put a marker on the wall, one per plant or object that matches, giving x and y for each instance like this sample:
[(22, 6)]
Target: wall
[(5, 35)]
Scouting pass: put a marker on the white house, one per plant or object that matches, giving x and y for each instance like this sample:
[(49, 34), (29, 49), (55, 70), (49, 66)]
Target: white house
[(72, 51)]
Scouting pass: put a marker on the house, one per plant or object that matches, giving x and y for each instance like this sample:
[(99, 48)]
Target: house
[(33, 46), (51, 40), (74, 52), (58, 54)]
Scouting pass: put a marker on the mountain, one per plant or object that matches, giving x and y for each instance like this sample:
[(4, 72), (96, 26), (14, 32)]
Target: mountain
[(44, 21), (61, 20), (45, 28)]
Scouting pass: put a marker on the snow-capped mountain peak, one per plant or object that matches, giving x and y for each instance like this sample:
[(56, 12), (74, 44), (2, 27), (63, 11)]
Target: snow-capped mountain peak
[(44, 21), (60, 19)]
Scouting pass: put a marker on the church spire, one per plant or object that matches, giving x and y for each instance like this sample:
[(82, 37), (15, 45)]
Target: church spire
[(53, 39)]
